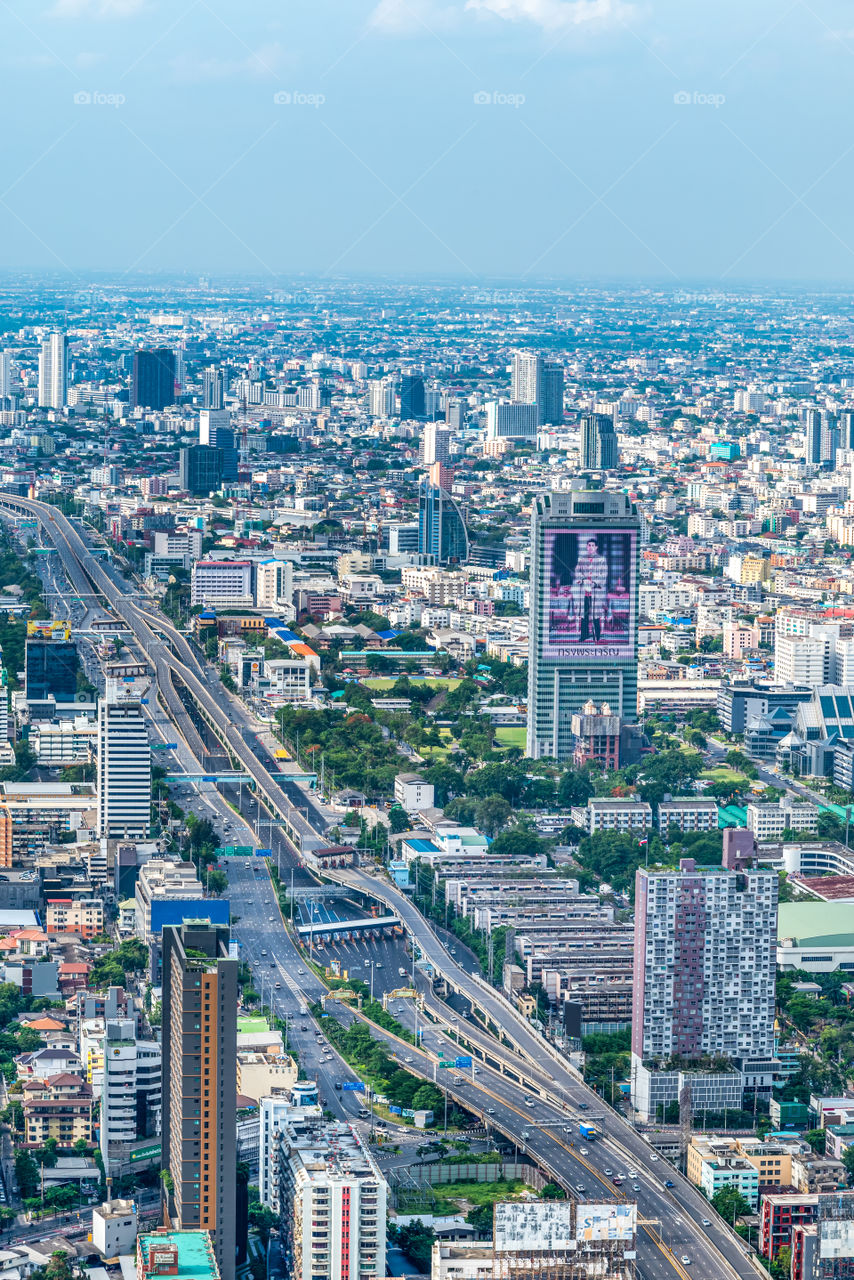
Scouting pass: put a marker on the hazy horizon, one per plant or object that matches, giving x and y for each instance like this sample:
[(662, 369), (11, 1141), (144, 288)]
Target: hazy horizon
[(532, 141)]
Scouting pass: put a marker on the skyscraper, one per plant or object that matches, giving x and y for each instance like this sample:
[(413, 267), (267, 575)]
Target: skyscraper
[(153, 379), (441, 526), (598, 443), (124, 771), (200, 468), (198, 1133), (527, 377), (704, 966), (213, 388), (412, 400), (813, 431), (583, 622), (829, 438), (51, 667), (381, 398), (435, 444), (6, 374), (53, 372), (540, 382), (551, 395), (846, 429)]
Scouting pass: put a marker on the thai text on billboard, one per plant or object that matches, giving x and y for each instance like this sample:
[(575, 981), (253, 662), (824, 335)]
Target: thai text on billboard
[(590, 588)]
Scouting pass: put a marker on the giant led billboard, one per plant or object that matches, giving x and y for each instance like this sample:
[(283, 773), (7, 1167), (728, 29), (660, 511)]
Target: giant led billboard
[(596, 1223), (590, 588)]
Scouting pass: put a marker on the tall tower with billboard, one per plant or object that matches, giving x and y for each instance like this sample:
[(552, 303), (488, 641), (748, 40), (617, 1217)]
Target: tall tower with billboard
[(583, 624)]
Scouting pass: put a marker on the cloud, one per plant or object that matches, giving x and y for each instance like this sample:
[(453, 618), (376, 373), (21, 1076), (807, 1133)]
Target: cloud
[(406, 17), (264, 61), (402, 17), (96, 8), (554, 14)]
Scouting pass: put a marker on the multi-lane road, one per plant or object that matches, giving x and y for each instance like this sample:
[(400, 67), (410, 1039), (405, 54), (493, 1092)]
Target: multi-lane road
[(528, 1081)]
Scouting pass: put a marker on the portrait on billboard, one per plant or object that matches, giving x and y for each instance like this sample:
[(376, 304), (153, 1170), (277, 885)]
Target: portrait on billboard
[(589, 589)]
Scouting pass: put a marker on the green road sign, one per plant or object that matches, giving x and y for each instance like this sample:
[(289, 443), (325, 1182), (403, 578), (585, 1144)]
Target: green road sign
[(236, 850)]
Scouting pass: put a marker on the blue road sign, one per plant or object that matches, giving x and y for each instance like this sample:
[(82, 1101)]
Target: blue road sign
[(263, 853), (462, 1062), (396, 1111), (354, 1086)]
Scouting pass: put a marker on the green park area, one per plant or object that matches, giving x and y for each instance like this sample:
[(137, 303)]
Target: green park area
[(515, 736), (460, 1197), (722, 773)]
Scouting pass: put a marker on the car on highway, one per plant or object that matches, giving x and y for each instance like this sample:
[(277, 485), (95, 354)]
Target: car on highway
[(490, 1111), (707, 1222), (653, 1158), (584, 1150), (635, 1187), (579, 1186), (582, 1106), (529, 1102), (668, 1183), (408, 1059), (685, 1260), (609, 1173)]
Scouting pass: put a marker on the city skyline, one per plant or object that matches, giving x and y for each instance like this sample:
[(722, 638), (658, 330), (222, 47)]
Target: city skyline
[(576, 138)]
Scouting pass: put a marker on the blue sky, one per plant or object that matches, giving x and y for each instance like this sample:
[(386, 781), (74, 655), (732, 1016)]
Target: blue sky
[(523, 139)]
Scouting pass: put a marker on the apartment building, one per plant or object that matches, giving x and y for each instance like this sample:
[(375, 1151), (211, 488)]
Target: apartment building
[(83, 916), (199, 1083), (704, 967), (778, 1214), (688, 815), (334, 1205), (58, 1107), (768, 821), (130, 1093), (64, 742), (628, 816)]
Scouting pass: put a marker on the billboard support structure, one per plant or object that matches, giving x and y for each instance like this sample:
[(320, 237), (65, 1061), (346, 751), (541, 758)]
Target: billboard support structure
[(564, 1240)]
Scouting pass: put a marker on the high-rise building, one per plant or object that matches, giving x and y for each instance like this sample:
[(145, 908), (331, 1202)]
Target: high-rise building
[(704, 966), (274, 583), (153, 379), (53, 372), (51, 669), (5, 373), (539, 382), (213, 388), (200, 1083), (455, 413), (130, 1093), (412, 400), (846, 429), (812, 422), (200, 468), (211, 421), (441, 525), (527, 377), (583, 621), (124, 771), (436, 444), (333, 1203), (829, 438), (551, 395), (598, 443), (508, 420), (381, 398)]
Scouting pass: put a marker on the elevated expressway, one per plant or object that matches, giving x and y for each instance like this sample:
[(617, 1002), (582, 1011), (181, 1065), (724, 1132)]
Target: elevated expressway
[(505, 1042)]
